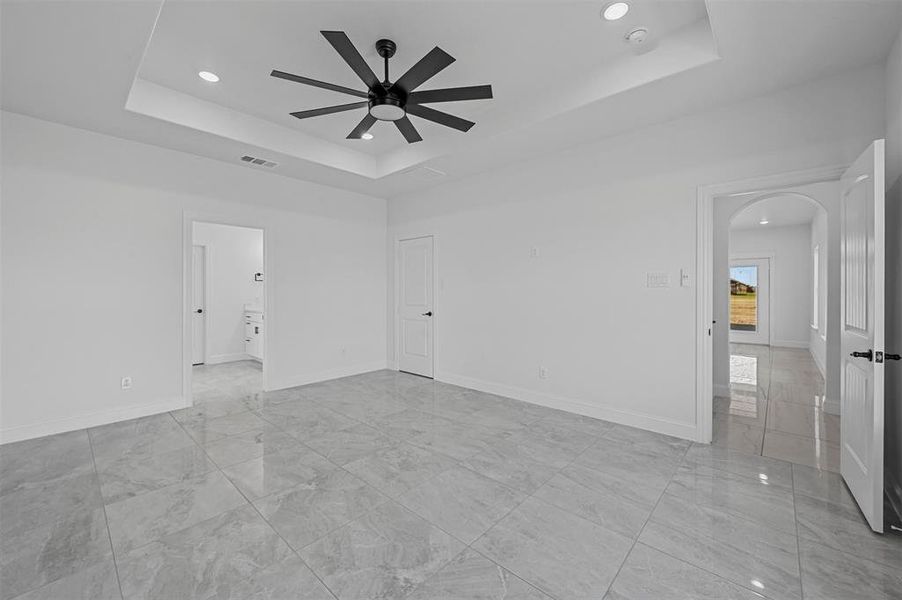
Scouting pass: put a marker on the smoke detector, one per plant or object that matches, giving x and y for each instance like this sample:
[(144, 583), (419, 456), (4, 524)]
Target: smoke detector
[(637, 36)]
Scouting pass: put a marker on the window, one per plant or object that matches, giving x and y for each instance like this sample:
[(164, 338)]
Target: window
[(816, 294)]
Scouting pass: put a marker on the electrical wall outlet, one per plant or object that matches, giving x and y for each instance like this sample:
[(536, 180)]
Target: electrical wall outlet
[(126, 383), (543, 373)]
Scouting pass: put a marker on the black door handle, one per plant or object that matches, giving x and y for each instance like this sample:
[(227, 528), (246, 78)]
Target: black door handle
[(868, 355), (889, 356), (427, 314), (199, 310)]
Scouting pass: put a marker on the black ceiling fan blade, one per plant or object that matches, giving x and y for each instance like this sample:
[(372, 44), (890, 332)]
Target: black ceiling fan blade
[(428, 66), (319, 84), (437, 116), (342, 44), (362, 127), (474, 92), (316, 112), (407, 129)]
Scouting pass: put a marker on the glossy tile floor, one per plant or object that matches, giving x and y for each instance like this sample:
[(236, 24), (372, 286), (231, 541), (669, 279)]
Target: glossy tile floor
[(386, 485), (776, 408)]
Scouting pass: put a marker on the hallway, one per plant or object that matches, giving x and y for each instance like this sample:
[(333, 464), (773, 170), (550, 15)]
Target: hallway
[(776, 409)]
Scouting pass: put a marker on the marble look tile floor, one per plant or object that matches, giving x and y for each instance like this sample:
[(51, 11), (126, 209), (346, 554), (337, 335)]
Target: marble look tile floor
[(390, 486), (775, 408)]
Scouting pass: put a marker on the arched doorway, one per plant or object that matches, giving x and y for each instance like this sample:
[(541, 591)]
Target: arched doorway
[(771, 281)]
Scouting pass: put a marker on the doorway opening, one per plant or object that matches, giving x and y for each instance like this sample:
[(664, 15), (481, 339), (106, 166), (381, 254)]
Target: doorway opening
[(772, 271), (227, 313)]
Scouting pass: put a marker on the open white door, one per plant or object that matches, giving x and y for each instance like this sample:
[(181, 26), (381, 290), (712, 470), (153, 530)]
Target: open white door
[(415, 306), (862, 322), (198, 306)]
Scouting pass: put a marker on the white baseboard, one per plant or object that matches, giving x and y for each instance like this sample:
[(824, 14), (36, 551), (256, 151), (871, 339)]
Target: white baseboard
[(305, 378), (791, 344), (73, 423), (831, 407), (817, 361), (217, 359), (893, 491), (721, 390), (665, 426)]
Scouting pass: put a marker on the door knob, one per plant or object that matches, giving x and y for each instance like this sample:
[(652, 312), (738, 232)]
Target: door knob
[(427, 314), (868, 355), (199, 310), (889, 356)]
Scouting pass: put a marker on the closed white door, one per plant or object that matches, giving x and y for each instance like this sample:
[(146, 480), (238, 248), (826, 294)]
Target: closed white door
[(861, 331), (199, 306), (750, 301), (415, 306)]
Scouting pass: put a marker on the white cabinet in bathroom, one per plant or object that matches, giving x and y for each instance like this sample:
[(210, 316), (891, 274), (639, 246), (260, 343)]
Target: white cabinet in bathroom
[(253, 333)]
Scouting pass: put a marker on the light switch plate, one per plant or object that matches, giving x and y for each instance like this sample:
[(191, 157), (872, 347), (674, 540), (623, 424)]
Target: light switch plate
[(657, 279)]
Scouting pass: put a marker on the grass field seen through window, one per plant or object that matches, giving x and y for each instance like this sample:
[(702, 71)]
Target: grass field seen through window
[(744, 311)]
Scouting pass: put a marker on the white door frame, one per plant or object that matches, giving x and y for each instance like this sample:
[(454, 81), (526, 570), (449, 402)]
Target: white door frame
[(207, 291), (770, 257), (396, 310), (188, 220), (704, 266)]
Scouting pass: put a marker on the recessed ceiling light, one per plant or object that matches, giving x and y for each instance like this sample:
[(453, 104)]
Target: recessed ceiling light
[(208, 76), (615, 10), (367, 136), (763, 222)]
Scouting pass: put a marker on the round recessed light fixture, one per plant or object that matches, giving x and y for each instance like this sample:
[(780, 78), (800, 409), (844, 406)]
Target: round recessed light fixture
[(366, 136), (763, 222), (615, 10), (208, 76)]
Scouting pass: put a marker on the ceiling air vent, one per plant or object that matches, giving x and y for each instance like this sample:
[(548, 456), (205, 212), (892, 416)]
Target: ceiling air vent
[(259, 161)]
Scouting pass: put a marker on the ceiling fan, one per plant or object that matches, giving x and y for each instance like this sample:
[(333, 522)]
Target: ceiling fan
[(392, 101)]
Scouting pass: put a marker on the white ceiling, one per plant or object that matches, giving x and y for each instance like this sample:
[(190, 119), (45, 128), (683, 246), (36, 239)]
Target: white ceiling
[(779, 211), (243, 41), (559, 72)]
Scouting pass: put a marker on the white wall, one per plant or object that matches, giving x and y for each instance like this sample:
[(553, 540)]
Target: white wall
[(790, 277), (234, 254), (601, 216), (93, 236), (818, 336), (893, 134)]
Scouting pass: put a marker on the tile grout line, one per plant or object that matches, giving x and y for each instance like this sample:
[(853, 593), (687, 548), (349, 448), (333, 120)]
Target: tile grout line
[(254, 507), (647, 519), (795, 515), (106, 518), (576, 457)]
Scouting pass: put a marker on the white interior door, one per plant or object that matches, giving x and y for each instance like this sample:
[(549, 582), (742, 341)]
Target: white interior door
[(198, 306), (861, 319), (415, 306), (750, 300)]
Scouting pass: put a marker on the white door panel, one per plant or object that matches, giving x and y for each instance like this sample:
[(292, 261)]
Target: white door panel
[(198, 306), (862, 328), (415, 306)]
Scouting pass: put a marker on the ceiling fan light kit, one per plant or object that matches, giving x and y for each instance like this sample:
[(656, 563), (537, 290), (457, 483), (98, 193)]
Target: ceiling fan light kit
[(387, 100)]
